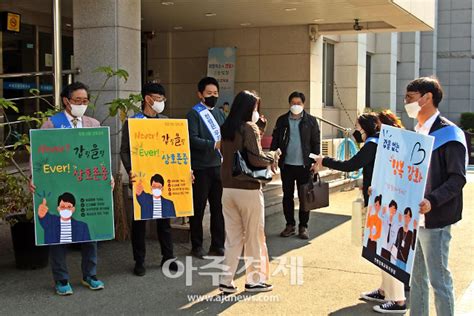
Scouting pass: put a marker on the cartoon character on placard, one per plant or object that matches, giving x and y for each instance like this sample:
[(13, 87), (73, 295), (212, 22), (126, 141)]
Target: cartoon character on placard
[(62, 228), (154, 205)]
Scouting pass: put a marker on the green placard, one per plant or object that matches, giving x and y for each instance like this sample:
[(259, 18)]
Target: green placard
[(72, 175)]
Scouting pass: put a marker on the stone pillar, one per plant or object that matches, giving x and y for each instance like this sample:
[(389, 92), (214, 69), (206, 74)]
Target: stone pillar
[(408, 69), (107, 33), (349, 76), (384, 71), (316, 77)]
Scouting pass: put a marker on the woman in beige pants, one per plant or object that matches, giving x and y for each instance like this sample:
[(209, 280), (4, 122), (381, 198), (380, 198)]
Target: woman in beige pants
[(242, 200)]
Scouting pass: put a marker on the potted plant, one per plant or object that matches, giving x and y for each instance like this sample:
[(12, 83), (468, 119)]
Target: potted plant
[(16, 207), (467, 124)]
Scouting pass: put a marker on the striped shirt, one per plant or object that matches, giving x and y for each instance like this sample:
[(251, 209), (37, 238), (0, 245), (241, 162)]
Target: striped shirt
[(157, 208), (66, 231)]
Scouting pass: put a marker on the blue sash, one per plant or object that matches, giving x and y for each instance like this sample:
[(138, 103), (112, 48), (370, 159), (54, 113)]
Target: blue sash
[(209, 121), (139, 115), (448, 134), (60, 120), (374, 140)]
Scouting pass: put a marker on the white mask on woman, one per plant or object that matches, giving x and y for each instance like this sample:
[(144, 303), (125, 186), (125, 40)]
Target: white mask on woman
[(255, 116)]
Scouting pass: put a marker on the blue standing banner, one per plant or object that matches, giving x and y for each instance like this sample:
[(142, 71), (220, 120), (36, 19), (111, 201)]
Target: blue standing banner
[(398, 186)]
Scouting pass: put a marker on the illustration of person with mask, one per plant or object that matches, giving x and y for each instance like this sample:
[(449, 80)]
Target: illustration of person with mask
[(374, 223), (154, 205), (62, 228), (204, 122)]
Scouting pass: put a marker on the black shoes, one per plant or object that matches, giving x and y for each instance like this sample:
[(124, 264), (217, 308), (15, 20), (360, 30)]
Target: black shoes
[(198, 253), (219, 252), (259, 287), (139, 269), (172, 265)]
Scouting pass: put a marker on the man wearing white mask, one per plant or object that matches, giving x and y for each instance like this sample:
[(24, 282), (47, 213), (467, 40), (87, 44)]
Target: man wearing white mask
[(296, 134), (153, 104), (442, 204), (75, 99)]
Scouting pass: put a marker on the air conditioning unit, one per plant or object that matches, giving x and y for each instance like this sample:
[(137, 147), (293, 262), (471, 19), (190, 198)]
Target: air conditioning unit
[(330, 146)]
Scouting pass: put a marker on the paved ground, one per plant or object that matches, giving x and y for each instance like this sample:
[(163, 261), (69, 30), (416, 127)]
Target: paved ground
[(333, 275)]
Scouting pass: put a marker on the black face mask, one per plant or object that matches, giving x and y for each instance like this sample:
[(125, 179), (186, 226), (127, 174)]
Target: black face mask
[(210, 101), (358, 136)]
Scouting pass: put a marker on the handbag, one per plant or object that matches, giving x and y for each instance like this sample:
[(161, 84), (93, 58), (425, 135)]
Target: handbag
[(314, 194), (242, 170)]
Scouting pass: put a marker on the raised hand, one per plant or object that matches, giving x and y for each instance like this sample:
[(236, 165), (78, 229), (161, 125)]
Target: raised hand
[(139, 188), (42, 209)]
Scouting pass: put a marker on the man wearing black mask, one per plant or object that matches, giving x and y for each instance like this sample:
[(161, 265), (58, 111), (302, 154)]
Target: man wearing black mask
[(204, 121)]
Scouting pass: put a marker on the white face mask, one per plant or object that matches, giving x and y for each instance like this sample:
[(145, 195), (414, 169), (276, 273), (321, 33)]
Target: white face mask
[(255, 116), (296, 109), (78, 110), (65, 213), (158, 107), (412, 109), (156, 192)]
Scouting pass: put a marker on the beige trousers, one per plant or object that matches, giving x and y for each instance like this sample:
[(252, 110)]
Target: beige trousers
[(393, 288), (244, 217)]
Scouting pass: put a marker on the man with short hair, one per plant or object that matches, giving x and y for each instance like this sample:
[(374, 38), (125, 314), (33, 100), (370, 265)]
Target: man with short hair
[(152, 105), (75, 99), (442, 205), (204, 121), (297, 135)]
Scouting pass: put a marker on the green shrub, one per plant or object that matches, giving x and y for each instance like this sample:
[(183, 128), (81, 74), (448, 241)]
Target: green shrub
[(467, 121)]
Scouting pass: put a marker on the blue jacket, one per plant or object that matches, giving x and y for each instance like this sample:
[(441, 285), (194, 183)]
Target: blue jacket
[(146, 203), (52, 229)]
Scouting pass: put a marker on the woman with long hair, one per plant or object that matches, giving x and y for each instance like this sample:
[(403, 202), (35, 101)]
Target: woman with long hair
[(242, 200)]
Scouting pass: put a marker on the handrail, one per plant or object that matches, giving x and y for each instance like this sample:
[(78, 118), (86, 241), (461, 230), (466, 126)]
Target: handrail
[(39, 73), (339, 127), (30, 97)]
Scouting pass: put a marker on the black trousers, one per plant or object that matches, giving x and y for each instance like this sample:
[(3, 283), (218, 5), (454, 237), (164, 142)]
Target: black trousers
[(290, 174), (207, 186), (163, 229)]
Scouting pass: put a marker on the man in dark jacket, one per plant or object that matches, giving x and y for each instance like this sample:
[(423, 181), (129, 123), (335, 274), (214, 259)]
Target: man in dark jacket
[(204, 121), (442, 205), (153, 104), (297, 135)]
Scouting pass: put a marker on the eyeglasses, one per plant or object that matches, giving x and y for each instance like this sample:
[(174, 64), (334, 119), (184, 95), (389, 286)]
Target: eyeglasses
[(80, 101), (158, 98), (410, 96)]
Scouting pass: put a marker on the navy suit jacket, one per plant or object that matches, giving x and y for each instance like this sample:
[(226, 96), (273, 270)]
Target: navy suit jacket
[(52, 229), (146, 203)]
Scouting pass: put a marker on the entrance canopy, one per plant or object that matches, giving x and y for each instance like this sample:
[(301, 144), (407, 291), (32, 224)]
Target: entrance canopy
[(329, 16)]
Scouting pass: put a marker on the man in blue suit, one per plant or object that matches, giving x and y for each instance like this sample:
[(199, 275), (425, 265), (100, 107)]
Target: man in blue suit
[(154, 205), (62, 228)]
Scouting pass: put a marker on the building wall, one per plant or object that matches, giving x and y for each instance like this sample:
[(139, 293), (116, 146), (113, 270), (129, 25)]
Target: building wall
[(455, 51), (274, 61)]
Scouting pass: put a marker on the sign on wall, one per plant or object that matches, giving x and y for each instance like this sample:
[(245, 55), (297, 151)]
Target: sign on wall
[(221, 65)]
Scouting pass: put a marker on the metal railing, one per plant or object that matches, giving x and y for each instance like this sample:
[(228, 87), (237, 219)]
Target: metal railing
[(346, 132), (70, 77)]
